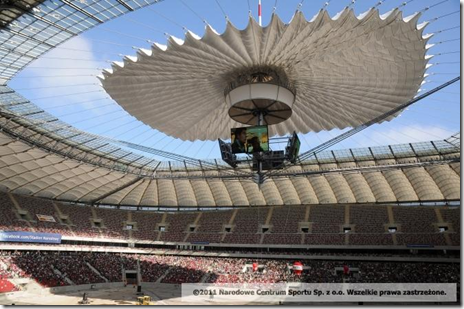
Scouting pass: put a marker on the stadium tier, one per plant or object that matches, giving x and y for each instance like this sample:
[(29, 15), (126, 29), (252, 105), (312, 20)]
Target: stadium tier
[(91, 267), (312, 225)]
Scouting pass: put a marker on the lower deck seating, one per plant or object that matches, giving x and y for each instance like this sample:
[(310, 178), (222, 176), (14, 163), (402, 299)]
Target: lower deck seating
[(173, 269), (6, 286)]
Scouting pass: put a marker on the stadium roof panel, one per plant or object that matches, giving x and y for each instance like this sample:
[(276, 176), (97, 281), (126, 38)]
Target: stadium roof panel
[(10, 10), (81, 177), (29, 122), (337, 89), (43, 25)]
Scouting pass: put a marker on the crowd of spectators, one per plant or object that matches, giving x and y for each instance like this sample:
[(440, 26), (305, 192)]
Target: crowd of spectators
[(151, 267), (185, 269), (73, 266), (9, 270), (241, 271), (189, 269), (33, 264)]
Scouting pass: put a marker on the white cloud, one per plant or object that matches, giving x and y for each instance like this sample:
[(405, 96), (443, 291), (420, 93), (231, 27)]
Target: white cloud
[(77, 61)]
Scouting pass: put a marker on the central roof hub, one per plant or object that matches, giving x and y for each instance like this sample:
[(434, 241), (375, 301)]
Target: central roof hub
[(260, 91)]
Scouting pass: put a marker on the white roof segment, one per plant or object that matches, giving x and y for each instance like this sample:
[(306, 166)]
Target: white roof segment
[(345, 71), (29, 170)]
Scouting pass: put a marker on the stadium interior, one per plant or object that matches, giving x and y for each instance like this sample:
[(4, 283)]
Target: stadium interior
[(114, 220)]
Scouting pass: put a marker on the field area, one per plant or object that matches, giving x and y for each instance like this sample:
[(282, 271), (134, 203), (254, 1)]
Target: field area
[(161, 294)]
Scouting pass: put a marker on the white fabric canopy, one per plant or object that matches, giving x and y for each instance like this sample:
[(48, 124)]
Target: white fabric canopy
[(346, 71)]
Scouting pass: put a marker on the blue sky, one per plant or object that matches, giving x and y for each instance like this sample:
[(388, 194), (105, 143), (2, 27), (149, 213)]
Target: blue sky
[(68, 88)]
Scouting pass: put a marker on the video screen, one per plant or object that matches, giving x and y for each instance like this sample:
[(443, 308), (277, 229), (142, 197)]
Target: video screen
[(293, 148), (249, 139), (296, 145)]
